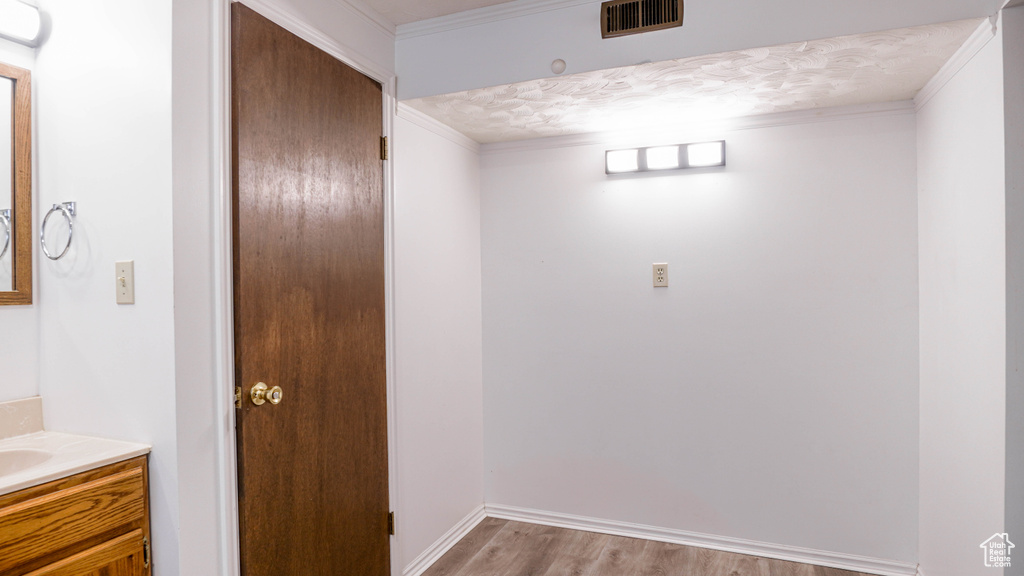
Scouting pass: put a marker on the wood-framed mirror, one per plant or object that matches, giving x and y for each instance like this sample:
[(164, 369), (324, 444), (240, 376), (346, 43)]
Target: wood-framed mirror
[(15, 185)]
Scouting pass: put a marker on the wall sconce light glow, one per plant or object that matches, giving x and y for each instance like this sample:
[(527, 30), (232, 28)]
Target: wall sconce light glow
[(663, 158), (696, 155), (19, 21), (706, 154), (617, 161)]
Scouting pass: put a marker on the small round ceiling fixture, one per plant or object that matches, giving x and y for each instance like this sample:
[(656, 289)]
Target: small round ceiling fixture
[(558, 66)]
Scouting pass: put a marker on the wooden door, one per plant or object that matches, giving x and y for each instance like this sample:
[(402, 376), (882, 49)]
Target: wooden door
[(309, 307)]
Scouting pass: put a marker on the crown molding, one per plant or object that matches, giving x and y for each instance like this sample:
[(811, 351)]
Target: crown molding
[(712, 127), (484, 15), (980, 38), (443, 130), (825, 558), (363, 11)]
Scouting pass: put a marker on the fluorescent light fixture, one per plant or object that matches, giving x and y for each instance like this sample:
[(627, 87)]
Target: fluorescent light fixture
[(706, 154), (696, 155), (616, 161), (19, 21), (663, 158)]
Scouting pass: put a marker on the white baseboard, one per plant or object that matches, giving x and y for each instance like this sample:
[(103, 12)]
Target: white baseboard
[(432, 554), (736, 545)]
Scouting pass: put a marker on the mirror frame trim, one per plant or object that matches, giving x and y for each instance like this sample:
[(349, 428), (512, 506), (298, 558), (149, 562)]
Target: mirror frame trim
[(22, 175)]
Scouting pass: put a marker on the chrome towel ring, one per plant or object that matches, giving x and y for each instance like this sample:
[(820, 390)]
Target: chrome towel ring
[(5, 219), (66, 209)]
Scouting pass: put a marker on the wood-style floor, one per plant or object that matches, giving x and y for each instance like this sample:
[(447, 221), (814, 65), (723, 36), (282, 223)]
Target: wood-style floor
[(508, 548)]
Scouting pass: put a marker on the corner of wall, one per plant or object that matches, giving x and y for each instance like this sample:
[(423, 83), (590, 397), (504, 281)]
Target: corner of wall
[(962, 211), (438, 333)]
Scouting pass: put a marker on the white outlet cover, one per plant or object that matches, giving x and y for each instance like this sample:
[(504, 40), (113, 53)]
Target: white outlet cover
[(660, 274)]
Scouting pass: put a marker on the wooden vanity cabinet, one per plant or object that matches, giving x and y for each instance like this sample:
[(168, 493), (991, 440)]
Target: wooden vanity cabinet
[(91, 524)]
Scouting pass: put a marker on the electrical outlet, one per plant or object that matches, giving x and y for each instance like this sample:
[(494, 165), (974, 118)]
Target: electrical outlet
[(661, 275), (125, 282)]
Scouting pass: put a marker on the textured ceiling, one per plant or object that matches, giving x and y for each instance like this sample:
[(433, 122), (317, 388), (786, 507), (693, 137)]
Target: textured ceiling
[(405, 11), (874, 67)]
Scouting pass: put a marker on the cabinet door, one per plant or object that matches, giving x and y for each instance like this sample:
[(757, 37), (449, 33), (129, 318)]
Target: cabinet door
[(75, 518), (122, 556)]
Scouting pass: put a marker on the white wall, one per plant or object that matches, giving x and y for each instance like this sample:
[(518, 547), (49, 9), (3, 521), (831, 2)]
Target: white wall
[(438, 331), (17, 54), (103, 90), (202, 423), (770, 393), (1013, 111), (434, 60), (19, 335), (963, 310)]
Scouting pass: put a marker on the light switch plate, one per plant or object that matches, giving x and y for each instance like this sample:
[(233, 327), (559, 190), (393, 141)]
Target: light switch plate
[(660, 270), (125, 282)]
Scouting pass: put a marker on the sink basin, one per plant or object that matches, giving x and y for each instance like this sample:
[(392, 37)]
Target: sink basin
[(40, 457), (12, 461)]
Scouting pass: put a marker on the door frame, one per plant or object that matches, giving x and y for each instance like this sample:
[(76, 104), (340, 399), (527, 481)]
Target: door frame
[(227, 488)]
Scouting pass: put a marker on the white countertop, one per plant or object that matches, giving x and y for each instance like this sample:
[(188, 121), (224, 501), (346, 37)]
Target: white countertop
[(70, 454)]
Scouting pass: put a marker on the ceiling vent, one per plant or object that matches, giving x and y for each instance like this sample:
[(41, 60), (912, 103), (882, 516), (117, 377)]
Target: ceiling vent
[(622, 17)]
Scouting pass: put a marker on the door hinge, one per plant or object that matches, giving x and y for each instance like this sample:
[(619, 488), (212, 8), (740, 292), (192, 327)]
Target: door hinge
[(145, 552), (383, 147), (391, 523), (238, 396)]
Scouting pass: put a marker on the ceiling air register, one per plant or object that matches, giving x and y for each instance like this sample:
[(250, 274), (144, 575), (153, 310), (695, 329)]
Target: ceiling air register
[(622, 17)]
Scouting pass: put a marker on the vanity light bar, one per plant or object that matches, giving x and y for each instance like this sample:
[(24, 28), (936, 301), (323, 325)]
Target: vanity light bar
[(19, 22), (654, 158)]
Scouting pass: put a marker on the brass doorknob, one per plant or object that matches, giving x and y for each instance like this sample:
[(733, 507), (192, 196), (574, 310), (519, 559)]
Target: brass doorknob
[(260, 394)]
